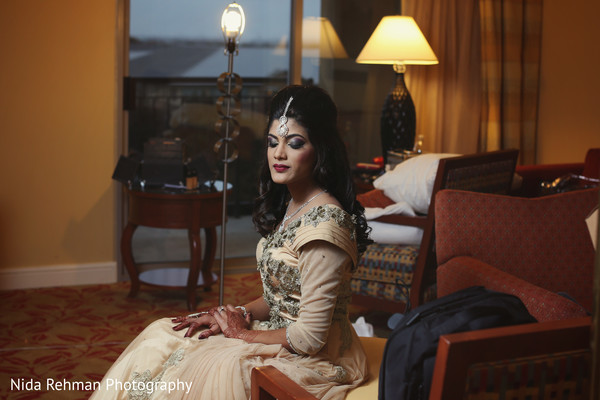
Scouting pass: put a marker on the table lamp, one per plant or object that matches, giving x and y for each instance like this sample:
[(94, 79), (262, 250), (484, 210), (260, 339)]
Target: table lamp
[(319, 39), (398, 41)]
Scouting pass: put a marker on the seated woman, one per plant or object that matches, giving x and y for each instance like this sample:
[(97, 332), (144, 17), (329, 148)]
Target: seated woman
[(313, 232)]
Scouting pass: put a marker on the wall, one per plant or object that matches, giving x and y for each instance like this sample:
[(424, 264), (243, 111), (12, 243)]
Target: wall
[(58, 141), (569, 120)]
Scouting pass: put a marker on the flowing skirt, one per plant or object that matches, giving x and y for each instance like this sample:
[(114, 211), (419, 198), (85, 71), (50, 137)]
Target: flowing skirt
[(161, 364)]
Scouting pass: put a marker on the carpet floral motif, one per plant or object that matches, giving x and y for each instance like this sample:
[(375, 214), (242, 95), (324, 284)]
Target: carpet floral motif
[(57, 343)]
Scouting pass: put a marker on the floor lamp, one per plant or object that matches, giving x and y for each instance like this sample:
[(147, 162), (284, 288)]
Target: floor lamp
[(233, 22), (398, 41)]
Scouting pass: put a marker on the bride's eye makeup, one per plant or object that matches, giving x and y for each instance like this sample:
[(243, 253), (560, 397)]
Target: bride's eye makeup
[(296, 143), (272, 142)]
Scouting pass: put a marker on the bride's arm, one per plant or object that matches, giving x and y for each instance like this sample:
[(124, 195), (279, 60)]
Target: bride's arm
[(258, 309), (234, 325), (323, 268)]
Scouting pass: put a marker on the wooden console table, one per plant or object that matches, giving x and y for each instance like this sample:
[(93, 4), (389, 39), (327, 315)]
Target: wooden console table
[(190, 211)]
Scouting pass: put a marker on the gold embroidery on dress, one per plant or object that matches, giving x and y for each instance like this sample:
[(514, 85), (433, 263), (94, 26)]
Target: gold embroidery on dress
[(340, 314), (143, 384), (341, 375), (325, 213), (282, 281)]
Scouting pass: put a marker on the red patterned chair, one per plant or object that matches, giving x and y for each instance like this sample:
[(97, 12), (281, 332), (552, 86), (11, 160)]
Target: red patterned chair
[(534, 248)]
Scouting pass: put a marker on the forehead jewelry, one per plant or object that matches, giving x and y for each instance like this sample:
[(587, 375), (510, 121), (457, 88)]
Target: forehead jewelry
[(283, 129)]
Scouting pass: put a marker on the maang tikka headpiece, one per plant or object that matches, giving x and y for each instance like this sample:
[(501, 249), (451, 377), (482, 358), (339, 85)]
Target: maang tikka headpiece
[(283, 128)]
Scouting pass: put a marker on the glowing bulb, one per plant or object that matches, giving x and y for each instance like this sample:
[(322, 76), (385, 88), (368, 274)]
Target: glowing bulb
[(233, 22)]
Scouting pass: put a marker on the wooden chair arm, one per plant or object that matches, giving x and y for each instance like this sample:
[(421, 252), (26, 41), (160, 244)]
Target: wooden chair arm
[(419, 221), (457, 351), (269, 383)]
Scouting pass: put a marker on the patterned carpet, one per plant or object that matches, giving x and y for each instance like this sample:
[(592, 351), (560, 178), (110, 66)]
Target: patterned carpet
[(70, 336)]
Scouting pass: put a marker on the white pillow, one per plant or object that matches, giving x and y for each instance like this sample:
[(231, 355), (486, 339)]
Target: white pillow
[(412, 180), (395, 234)]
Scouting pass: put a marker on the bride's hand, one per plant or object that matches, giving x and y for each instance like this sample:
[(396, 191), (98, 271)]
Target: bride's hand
[(233, 323), (194, 322)]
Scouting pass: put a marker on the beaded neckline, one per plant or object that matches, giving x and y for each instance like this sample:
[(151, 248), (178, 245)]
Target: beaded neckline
[(287, 217)]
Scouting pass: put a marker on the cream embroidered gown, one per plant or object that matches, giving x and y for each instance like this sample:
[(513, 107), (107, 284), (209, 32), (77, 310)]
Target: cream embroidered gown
[(306, 278)]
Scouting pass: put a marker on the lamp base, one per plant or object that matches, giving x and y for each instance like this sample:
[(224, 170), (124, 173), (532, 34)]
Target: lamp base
[(398, 119)]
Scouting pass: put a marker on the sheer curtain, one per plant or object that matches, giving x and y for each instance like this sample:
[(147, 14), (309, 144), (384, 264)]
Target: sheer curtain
[(511, 37), (447, 96), (483, 94)]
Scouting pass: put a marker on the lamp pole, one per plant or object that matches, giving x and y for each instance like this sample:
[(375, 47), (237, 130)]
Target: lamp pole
[(233, 22)]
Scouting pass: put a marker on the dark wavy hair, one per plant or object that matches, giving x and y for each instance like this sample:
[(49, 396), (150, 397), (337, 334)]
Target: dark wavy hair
[(316, 112)]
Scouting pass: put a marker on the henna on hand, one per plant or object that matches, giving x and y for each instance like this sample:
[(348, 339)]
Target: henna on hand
[(194, 322), (244, 334), (233, 324)]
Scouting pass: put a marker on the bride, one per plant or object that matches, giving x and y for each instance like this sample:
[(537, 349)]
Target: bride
[(313, 232)]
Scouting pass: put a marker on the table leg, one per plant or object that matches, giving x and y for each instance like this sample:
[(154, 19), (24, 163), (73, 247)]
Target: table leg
[(195, 259), (127, 255), (209, 256)]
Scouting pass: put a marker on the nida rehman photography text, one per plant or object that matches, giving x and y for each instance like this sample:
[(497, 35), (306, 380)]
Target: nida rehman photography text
[(135, 386)]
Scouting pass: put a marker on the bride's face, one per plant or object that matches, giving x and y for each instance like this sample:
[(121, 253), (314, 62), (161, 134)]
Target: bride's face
[(291, 158)]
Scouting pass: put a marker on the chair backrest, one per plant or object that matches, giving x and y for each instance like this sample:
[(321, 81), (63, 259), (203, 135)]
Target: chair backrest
[(544, 240), (490, 172), (539, 360)]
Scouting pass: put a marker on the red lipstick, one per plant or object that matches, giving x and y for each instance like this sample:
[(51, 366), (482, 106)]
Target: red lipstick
[(280, 167)]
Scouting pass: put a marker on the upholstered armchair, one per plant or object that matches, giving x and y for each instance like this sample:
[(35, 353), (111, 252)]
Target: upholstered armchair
[(539, 249), (391, 275)]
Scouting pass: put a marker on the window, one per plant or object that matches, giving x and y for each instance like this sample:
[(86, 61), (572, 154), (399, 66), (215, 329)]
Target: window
[(176, 53)]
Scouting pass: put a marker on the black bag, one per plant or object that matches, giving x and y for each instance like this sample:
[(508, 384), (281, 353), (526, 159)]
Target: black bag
[(409, 356)]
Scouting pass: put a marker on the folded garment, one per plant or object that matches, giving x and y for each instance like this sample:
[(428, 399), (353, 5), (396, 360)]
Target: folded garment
[(397, 208), (382, 232)]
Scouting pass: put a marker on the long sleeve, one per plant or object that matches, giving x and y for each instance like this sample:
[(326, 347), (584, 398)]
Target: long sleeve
[(306, 271), (323, 267)]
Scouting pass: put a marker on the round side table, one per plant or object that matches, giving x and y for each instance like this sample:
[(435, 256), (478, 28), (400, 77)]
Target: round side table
[(191, 211)]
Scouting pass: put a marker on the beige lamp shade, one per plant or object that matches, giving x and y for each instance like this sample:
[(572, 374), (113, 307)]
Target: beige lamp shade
[(397, 40), (319, 39)]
